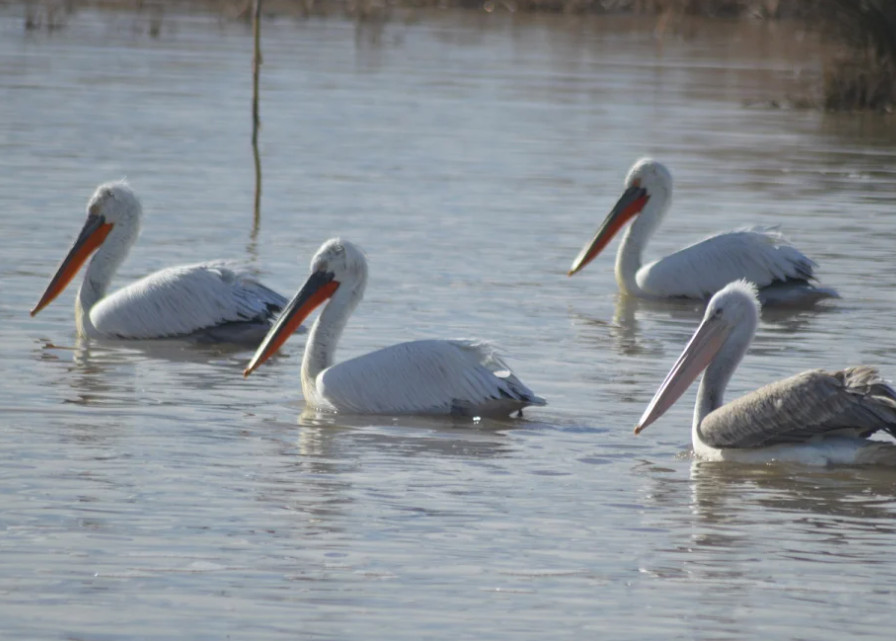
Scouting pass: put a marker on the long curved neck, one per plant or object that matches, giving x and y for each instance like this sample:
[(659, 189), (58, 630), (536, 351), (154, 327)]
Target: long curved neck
[(320, 349), (629, 258), (711, 392), (99, 273)]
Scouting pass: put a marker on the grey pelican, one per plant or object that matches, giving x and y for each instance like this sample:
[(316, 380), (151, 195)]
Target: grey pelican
[(815, 417)]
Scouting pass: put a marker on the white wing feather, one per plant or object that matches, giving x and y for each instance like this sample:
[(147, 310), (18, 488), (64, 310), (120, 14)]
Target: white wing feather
[(182, 300), (759, 255), (459, 377)]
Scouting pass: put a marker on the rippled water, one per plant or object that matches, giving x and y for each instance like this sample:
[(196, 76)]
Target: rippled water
[(148, 491)]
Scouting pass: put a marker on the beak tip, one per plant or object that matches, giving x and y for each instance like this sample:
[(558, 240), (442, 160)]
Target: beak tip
[(638, 428), (246, 372)]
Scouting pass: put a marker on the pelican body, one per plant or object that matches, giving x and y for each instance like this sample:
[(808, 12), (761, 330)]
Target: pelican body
[(447, 377), (815, 417), (759, 255), (207, 301)]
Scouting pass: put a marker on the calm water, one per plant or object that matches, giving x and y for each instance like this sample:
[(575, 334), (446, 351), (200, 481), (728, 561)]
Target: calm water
[(149, 492)]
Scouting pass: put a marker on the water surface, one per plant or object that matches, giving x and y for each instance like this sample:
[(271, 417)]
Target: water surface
[(148, 491)]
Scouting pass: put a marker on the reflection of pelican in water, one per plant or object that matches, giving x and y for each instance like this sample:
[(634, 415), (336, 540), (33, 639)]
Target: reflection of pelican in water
[(626, 332), (340, 437), (626, 326), (447, 377), (208, 301), (744, 493), (105, 372), (635, 328), (761, 256), (815, 417)]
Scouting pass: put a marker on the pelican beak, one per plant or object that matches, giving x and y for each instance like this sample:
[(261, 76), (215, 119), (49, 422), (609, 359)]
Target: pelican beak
[(697, 354), (627, 207), (92, 236), (318, 288)]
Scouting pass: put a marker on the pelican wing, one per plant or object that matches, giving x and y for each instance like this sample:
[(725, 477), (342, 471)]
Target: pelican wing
[(854, 401), (184, 300), (759, 255), (458, 377)]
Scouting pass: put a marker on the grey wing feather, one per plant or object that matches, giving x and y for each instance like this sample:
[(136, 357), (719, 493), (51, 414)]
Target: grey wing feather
[(794, 292), (855, 401)]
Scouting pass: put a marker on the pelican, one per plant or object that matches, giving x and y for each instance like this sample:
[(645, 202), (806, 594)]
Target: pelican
[(447, 377), (815, 417), (760, 255), (207, 301)]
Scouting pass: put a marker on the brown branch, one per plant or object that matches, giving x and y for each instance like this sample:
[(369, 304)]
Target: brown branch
[(256, 119)]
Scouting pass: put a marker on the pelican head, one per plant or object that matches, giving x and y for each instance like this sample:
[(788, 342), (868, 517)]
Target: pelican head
[(648, 192), (113, 220), (344, 260), (337, 266), (116, 202), (719, 343)]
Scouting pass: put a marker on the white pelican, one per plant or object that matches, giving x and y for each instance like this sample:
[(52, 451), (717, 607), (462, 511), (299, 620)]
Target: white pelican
[(207, 301), (449, 377), (815, 417), (760, 255)]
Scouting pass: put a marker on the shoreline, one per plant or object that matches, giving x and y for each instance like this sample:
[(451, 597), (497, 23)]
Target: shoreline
[(859, 65), (241, 9)]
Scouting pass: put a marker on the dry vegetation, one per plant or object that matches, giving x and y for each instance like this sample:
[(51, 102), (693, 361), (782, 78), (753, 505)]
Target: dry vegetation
[(42, 10), (862, 73)]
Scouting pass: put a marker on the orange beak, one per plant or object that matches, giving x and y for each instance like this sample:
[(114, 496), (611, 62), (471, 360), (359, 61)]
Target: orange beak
[(318, 288), (627, 207), (92, 236)]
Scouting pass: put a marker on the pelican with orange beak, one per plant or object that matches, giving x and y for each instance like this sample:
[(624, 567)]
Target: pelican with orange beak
[(814, 418), (205, 301), (440, 377), (759, 255)]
